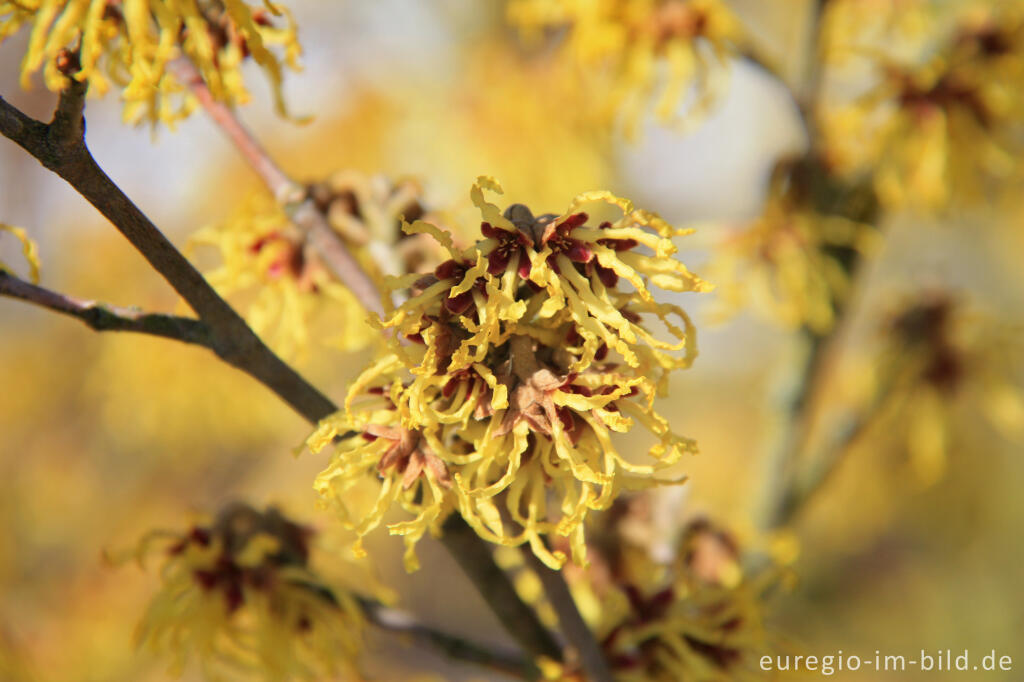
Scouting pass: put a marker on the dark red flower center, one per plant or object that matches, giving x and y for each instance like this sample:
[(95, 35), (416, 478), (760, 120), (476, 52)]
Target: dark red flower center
[(509, 245)]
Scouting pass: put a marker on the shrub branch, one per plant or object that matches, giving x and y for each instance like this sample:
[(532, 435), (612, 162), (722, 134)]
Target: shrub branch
[(103, 317), (60, 147), (289, 194)]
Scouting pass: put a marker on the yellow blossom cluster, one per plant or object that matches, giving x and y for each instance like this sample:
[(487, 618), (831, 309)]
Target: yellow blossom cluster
[(942, 124), (524, 357), (132, 44), (940, 355), (851, 23), (641, 51), (697, 617), (264, 256), (792, 263), (238, 596)]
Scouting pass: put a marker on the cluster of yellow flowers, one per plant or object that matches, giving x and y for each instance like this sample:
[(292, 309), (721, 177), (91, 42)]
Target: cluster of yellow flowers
[(524, 357), (849, 23), (943, 124), (239, 596), (698, 616), (792, 264), (941, 354), (132, 43), (264, 255), (650, 49)]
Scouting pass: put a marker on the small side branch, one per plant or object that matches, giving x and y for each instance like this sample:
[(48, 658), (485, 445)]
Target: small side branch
[(280, 185), (60, 147), (591, 657), (823, 469), (814, 72), (494, 585), (68, 124), (103, 317), (452, 646), (303, 212)]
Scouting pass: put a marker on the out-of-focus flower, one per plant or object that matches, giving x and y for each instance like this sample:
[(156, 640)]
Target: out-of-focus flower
[(131, 43), (791, 264), (28, 249), (527, 356), (850, 24), (946, 126), (942, 355), (238, 595), (369, 212), (651, 50), (699, 617), (264, 255)]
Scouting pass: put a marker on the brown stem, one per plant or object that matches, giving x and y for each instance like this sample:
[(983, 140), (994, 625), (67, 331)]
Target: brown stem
[(60, 147), (786, 486), (477, 561), (823, 468), (814, 74), (332, 251), (452, 646), (783, 478), (280, 185), (303, 211), (104, 317), (575, 629)]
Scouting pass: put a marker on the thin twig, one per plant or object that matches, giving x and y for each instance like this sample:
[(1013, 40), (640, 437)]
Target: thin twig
[(822, 356), (824, 467), (795, 496), (60, 147), (280, 185), (575, 629), (477, 562), (452, 646), (104, 317), (291, 195), (814, 73)]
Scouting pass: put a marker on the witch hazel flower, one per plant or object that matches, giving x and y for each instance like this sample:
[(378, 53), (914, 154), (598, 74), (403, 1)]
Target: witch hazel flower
[(132, 44), (513, 366)]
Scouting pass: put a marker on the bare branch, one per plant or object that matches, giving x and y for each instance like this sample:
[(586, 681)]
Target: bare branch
[(103, 317), (292, 196), (477, 561), (19, 128), (60, 147), (452, 646), (68, 124), (814, 73), (823, 468), (332, 251), (70, 159), (591, 657), (280, 185)]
